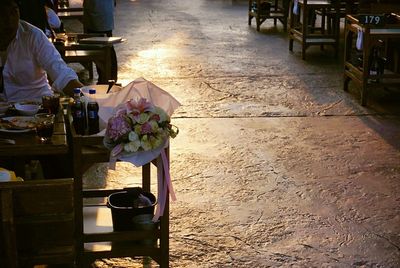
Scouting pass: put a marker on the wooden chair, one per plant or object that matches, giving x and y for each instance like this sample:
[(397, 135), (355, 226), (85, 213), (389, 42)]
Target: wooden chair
[(345, 7), (380, 38), (87, 150), (302, 27), (276, 11), (38, 223)]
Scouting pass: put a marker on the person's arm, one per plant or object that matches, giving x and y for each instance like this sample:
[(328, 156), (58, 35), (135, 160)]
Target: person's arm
[(69, 88), (63, 77)]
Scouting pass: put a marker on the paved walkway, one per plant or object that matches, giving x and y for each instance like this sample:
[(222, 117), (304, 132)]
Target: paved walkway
[(274, 165)]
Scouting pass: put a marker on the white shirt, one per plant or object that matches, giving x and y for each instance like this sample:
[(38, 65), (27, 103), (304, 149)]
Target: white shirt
[(30, 58)]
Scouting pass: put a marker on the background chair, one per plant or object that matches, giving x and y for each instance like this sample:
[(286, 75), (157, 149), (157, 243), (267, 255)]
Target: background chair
[(38, 223), (304, 30), (262, 10)]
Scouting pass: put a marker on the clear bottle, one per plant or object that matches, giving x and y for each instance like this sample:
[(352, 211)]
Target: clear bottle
[(93, 113), (78, 112)]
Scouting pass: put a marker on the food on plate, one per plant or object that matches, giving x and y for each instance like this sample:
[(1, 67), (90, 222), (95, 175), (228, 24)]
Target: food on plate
[(17, 123)]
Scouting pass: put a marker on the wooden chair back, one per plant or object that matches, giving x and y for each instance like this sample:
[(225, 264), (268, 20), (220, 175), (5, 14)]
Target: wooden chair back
[(38, 223), (86, 150)]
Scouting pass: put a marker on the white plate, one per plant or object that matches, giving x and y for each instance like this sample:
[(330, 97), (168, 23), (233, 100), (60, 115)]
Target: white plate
[(22, 120)]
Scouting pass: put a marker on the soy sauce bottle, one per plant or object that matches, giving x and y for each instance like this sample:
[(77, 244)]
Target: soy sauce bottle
[(78, 112), (93, 113)]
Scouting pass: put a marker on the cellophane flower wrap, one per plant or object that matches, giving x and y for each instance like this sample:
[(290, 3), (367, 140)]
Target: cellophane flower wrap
[(136, 128)]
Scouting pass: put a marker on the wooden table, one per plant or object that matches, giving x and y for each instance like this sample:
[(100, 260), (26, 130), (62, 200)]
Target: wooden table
[(97, 51), (74, 14), (69, 9), (28, 147)]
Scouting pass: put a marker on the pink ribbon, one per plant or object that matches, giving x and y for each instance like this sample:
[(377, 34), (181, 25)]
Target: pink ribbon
[(164, 185), (112, 163)]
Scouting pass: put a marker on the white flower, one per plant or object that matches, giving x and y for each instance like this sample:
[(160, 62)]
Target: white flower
[(154, 126), (133, 136), (145, 143), (137, 129), (156, 141), (132, 146), (143, 118)]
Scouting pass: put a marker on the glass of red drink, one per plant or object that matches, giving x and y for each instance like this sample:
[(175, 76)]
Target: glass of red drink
[(51, 103), (44, 126)]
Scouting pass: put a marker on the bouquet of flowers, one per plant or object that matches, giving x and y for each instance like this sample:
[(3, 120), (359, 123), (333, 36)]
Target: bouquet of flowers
[(138, 130), (138, 126)]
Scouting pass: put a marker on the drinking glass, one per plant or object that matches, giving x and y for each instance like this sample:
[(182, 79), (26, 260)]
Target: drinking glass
[(44, 126), (51, 103)]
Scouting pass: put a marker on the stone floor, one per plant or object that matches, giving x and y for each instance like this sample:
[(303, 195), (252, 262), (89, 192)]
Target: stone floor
[(275, 165)]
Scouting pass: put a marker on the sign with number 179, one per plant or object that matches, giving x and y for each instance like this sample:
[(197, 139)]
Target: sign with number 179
[(371, 19)]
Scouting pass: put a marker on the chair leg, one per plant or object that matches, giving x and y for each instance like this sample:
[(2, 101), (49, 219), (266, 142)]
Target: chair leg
[(346, 81), (90, 68), (250, 17), (364, 94), (284, 21), (291, 45)]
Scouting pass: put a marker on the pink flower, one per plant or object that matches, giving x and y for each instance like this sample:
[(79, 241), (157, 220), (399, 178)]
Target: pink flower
[(138, 107), (117, 127), (146, 128), (155, 117), (138, 110)]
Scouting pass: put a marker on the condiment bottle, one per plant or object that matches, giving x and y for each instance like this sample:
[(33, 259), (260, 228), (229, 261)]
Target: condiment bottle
[(78, 112), (93, 113)]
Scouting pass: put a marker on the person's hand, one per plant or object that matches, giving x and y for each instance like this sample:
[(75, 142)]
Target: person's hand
[(69, 88)]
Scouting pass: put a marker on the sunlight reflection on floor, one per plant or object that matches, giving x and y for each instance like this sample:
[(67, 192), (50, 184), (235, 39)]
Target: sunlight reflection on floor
[(161, 60)]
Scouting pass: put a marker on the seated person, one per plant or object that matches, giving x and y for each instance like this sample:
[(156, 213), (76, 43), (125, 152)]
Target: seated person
[(98, 17), (27, 58), (53, 21)]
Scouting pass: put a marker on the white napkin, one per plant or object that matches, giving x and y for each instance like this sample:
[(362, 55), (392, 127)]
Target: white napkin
[(359, 42), (75, 3), (296, 7)]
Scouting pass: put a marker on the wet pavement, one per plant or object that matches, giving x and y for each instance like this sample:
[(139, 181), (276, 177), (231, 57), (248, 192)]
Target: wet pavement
[(275, 165)]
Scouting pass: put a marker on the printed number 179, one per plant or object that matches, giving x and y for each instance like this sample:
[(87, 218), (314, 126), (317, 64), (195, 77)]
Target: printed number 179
[(372, 20)]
